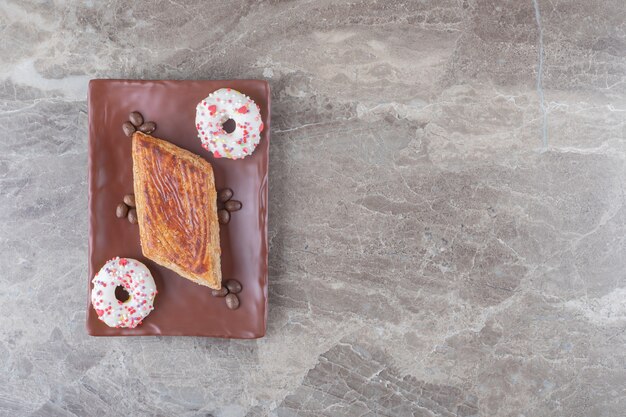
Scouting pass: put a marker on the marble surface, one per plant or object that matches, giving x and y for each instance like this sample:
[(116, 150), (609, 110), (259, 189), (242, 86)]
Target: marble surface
[(447, 220)]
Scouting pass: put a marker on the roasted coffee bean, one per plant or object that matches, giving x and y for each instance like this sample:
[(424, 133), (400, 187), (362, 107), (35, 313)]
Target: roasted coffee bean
[(136, 118), (132, 216), (233, 286), (129, 199), (128, 128), (147, 127), (232, 301), (224, 195), (121, 210), (232, 205), (223, 216), (220, 293)]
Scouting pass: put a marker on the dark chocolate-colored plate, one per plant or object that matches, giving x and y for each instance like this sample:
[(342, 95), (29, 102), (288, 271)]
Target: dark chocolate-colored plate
[(181, 308)]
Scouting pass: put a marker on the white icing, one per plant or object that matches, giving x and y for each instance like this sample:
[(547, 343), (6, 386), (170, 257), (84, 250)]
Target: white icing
[(136, 280), (217, 108)]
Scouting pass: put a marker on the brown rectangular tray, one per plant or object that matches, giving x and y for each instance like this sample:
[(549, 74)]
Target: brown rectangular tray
[(181, 308)]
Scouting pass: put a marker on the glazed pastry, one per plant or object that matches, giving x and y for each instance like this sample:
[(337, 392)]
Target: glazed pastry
[(136, 280), (177, 209), (229, 124)]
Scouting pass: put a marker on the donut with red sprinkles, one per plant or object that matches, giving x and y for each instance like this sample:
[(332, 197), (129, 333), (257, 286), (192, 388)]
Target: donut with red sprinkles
[(229, 124), (137, 283)]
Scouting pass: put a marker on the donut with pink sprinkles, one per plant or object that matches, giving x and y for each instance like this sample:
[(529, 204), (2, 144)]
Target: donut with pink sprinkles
[(129, 279), (229, 124)]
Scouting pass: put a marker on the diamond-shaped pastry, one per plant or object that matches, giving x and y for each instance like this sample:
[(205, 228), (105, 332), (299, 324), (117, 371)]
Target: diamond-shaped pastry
[(177, 210)]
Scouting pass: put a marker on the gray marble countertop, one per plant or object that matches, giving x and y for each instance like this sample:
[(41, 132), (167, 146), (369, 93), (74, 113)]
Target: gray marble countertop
[(447, 221)]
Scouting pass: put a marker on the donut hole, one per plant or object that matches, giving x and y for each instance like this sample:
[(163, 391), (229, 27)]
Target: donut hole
[(229, 126), (121, 294)]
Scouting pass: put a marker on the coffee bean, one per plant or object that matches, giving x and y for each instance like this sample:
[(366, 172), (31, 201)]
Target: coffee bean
[(147, 127), (223, 216), (132, 216), (128, 128), (233, 286), (232, 205), (232, 301), (136, 118), (224, 195), (121, 210), (220, 293), (129, 199)]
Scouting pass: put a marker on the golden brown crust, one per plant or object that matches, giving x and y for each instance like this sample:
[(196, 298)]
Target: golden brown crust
[(177, 209)]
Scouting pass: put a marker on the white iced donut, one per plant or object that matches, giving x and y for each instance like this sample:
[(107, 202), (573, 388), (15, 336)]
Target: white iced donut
[(136, 280), (213, 115)]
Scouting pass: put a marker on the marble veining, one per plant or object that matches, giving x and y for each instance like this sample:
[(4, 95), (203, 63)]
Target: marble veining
[(542, 101), (447, 219)]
